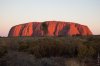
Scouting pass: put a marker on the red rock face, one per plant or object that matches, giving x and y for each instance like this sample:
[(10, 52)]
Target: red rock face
[(53, 28)]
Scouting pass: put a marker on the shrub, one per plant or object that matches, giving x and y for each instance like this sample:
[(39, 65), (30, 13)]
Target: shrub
[(74, 62), (3, 50), (85, 51), (23, 46), (18, 59), (47, 48)]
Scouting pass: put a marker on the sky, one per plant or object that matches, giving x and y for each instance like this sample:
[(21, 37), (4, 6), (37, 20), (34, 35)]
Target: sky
[(14, 12)]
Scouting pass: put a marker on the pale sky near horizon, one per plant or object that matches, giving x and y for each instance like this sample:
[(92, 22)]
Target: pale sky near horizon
[(14, 12)]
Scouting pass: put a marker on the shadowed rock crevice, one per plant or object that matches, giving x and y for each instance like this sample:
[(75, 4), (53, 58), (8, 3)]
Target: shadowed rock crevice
[(64, 31), (44, 28), (21, 32), (56, 30)]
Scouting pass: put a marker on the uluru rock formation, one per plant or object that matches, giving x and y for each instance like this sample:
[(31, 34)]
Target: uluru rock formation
[(49, 28)]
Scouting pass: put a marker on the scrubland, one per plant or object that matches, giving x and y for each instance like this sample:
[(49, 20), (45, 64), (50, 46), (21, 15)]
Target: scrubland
[(49, 51)]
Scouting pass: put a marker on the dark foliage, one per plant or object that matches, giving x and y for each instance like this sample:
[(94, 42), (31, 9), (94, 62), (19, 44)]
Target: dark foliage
[(82, 48)]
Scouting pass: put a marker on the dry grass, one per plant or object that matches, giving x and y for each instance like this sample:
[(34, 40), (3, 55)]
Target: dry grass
[(53, 51), (24, 59)]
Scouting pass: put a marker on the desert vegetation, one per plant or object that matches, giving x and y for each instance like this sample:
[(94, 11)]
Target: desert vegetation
[(49, 51)]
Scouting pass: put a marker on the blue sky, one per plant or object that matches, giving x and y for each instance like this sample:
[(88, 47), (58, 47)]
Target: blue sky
[(13, 12)]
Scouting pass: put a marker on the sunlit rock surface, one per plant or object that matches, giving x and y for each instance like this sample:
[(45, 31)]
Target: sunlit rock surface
[(49, 28)]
